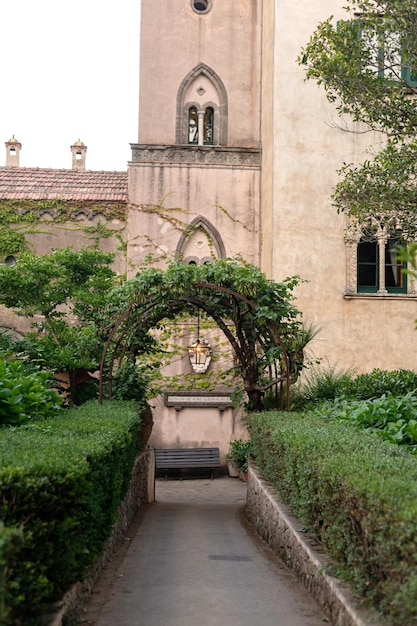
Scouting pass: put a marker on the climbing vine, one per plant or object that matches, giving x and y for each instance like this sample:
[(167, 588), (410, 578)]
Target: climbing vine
[(23, 217), (256, 316)]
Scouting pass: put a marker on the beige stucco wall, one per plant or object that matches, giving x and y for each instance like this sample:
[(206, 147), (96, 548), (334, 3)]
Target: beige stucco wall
[(228, 197), (194, 427), (74, 235), (307, 234), (267, 133)]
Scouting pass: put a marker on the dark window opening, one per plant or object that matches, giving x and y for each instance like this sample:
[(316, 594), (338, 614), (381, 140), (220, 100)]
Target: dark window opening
[(208, 125), (368, 268), (200, 5), (394, 275), (193, 125)]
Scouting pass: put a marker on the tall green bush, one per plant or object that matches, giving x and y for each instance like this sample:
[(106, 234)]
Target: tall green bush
[(11, 539), (379, 383)]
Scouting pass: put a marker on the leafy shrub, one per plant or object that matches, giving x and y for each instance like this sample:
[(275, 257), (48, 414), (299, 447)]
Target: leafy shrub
[(328, 383), (11, 540), (379, 383), (6, 344), (239, 452), (392, 418), (358, 494), (62, 479), (25, 395)]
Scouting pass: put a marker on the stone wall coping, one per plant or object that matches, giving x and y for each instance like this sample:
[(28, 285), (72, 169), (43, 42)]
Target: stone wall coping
[(273, 521)]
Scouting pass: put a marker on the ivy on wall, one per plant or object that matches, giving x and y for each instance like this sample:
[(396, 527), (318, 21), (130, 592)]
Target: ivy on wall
[(19, 218)]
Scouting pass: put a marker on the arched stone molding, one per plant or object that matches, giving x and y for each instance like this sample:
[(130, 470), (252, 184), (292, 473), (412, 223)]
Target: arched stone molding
[(220, 107), (202, 225)]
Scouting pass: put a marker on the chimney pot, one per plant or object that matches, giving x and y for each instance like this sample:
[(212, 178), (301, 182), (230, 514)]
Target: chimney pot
[(78, 156), (13, 147)]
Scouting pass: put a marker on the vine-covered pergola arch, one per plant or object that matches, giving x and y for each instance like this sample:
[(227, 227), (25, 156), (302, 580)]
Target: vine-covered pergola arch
[(249, 335)]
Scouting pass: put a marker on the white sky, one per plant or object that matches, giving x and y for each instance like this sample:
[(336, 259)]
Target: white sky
[(69, 70)]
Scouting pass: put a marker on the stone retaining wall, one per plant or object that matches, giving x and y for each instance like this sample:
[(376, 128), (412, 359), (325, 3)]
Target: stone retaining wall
[(301, 552)]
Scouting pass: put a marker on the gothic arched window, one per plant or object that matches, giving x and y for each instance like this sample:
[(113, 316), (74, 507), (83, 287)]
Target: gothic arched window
[(202, 109), (200, 243)]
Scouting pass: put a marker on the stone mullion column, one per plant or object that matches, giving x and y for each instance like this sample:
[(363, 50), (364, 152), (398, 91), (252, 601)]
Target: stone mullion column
[(351, 266), (201, 127), (382, 241)]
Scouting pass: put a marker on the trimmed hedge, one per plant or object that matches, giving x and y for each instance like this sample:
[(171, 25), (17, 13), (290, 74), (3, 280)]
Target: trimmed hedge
[(357, 494), (61, 481), (11, 539)]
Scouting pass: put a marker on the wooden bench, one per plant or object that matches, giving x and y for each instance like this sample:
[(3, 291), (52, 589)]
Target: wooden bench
[(187, 458)]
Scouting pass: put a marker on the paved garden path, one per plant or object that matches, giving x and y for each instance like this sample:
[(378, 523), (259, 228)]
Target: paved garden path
[(191, 559)]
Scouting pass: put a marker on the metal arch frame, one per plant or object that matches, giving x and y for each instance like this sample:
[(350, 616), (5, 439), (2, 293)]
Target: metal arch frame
[(275, 336)]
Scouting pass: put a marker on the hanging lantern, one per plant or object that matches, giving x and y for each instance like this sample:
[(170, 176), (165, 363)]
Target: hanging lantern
[(199, 352), (200, 355)]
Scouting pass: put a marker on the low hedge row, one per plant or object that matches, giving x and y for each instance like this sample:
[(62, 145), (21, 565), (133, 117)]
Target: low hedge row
[(357, 493), (61, 481)]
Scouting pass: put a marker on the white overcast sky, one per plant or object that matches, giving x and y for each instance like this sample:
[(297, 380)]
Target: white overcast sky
[(69, 70)]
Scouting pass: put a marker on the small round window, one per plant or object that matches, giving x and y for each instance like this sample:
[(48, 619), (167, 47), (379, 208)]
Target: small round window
[(201, 6)]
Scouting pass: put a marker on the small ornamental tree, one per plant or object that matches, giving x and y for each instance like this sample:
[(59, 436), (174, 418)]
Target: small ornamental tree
[(65, 292), (367, 65)]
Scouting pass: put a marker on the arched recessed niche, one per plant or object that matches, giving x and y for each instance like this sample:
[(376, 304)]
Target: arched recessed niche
[(200, 243)]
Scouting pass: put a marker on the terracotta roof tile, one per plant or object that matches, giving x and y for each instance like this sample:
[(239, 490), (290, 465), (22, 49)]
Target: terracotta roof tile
[(32, 183)]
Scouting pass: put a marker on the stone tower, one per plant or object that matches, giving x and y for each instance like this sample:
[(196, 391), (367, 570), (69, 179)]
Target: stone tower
[(198, 150), (194, 177), (238, 153)]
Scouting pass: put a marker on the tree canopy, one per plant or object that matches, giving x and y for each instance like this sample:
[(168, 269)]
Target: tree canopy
[(78, 304), (65, 293), (367, 64)]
